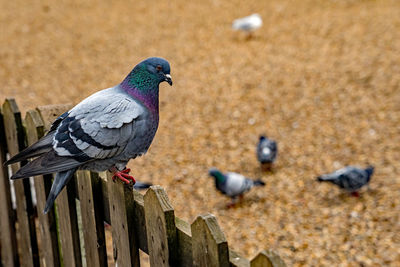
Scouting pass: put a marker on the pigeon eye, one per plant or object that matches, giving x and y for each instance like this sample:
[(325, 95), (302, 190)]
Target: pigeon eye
[(158, 68)]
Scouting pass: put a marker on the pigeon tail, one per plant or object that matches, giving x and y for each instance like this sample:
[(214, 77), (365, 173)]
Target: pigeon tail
[(46, 164), (258, 182), (41, 147), (61, 179)]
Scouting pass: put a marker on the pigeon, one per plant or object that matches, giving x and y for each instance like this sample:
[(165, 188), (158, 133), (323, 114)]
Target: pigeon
[(267, 151), (103, 132), (349, 178), (248, 24), (233, 184), (141, 185)]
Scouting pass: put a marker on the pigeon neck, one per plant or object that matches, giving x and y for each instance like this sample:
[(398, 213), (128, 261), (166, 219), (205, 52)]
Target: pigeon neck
[(219, 177), (143, 87)]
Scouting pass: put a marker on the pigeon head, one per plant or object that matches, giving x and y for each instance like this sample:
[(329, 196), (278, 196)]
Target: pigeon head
[(217, 174), (147, 75), (262, 137), (158, 68)]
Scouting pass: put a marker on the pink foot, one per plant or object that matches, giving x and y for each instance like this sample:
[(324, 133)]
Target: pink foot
[(355, 194), (123, 176)]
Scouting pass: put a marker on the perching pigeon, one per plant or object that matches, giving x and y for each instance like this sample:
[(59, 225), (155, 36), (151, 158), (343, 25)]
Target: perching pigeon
[(103, 132), (248, 24), (233, 184), (349, 178), (141, 185), (267, 151)]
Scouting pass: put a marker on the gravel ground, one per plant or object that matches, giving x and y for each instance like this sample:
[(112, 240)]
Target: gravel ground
[(321, 77)]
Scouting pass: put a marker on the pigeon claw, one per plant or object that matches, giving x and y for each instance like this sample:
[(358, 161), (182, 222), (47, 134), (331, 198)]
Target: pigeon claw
[(355, 194), (124, 176)]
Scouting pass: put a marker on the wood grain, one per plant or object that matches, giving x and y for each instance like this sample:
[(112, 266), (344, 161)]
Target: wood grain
[(209, 245), (48, 249), (15, 137), (8, 238), (92, 224), (161, 230)]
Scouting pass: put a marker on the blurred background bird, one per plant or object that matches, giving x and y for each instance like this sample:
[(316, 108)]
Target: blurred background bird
[(267, 150), (141, 185), (233, 184), (349, 178), (248, 24)]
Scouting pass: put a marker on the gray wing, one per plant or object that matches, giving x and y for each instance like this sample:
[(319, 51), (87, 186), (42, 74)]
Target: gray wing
[(99, 127), (237, 184), (349, 178), (354, 179)]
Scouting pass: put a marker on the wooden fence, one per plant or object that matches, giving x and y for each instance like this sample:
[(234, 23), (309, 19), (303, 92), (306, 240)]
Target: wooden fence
[(73, 233)]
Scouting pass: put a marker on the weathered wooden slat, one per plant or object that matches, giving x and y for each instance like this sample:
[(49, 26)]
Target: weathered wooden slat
[(161, 230), (48, 250), (237, 260), (8, 238), (68, 226), (119, 223), (15, 136), (267, 258), (184, 235), (65, 202), (93, 226), (140, 222), (209, 245), (130, 215)]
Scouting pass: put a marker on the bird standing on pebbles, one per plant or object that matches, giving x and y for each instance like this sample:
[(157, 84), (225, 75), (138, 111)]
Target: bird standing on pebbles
[(267, 150), (233, 184), (349, 178), (103, 132)]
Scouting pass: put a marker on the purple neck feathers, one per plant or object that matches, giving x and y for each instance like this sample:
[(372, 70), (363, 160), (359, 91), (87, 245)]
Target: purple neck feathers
[(149, 98)]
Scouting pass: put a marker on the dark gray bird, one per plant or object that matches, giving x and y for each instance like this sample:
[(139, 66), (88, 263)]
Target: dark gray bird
[(103, 132), (349, 178), (267, 150), (233, 184), (141, 185)]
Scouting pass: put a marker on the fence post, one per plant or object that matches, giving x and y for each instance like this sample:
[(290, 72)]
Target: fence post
[(25, 214), (267, 258), (184, 235), (161, 230), (48, 250), (208, 243), (139, 217), (92, 214), (122, 246), (66, 207), (8, 238)]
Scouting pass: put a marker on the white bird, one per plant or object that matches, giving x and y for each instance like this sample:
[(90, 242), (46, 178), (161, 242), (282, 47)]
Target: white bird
[(248, 24)]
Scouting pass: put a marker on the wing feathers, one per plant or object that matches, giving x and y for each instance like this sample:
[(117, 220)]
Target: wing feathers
[(40, 147), (48, 163)]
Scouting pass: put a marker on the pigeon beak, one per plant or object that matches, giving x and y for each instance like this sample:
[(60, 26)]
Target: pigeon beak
[(168, 79)]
